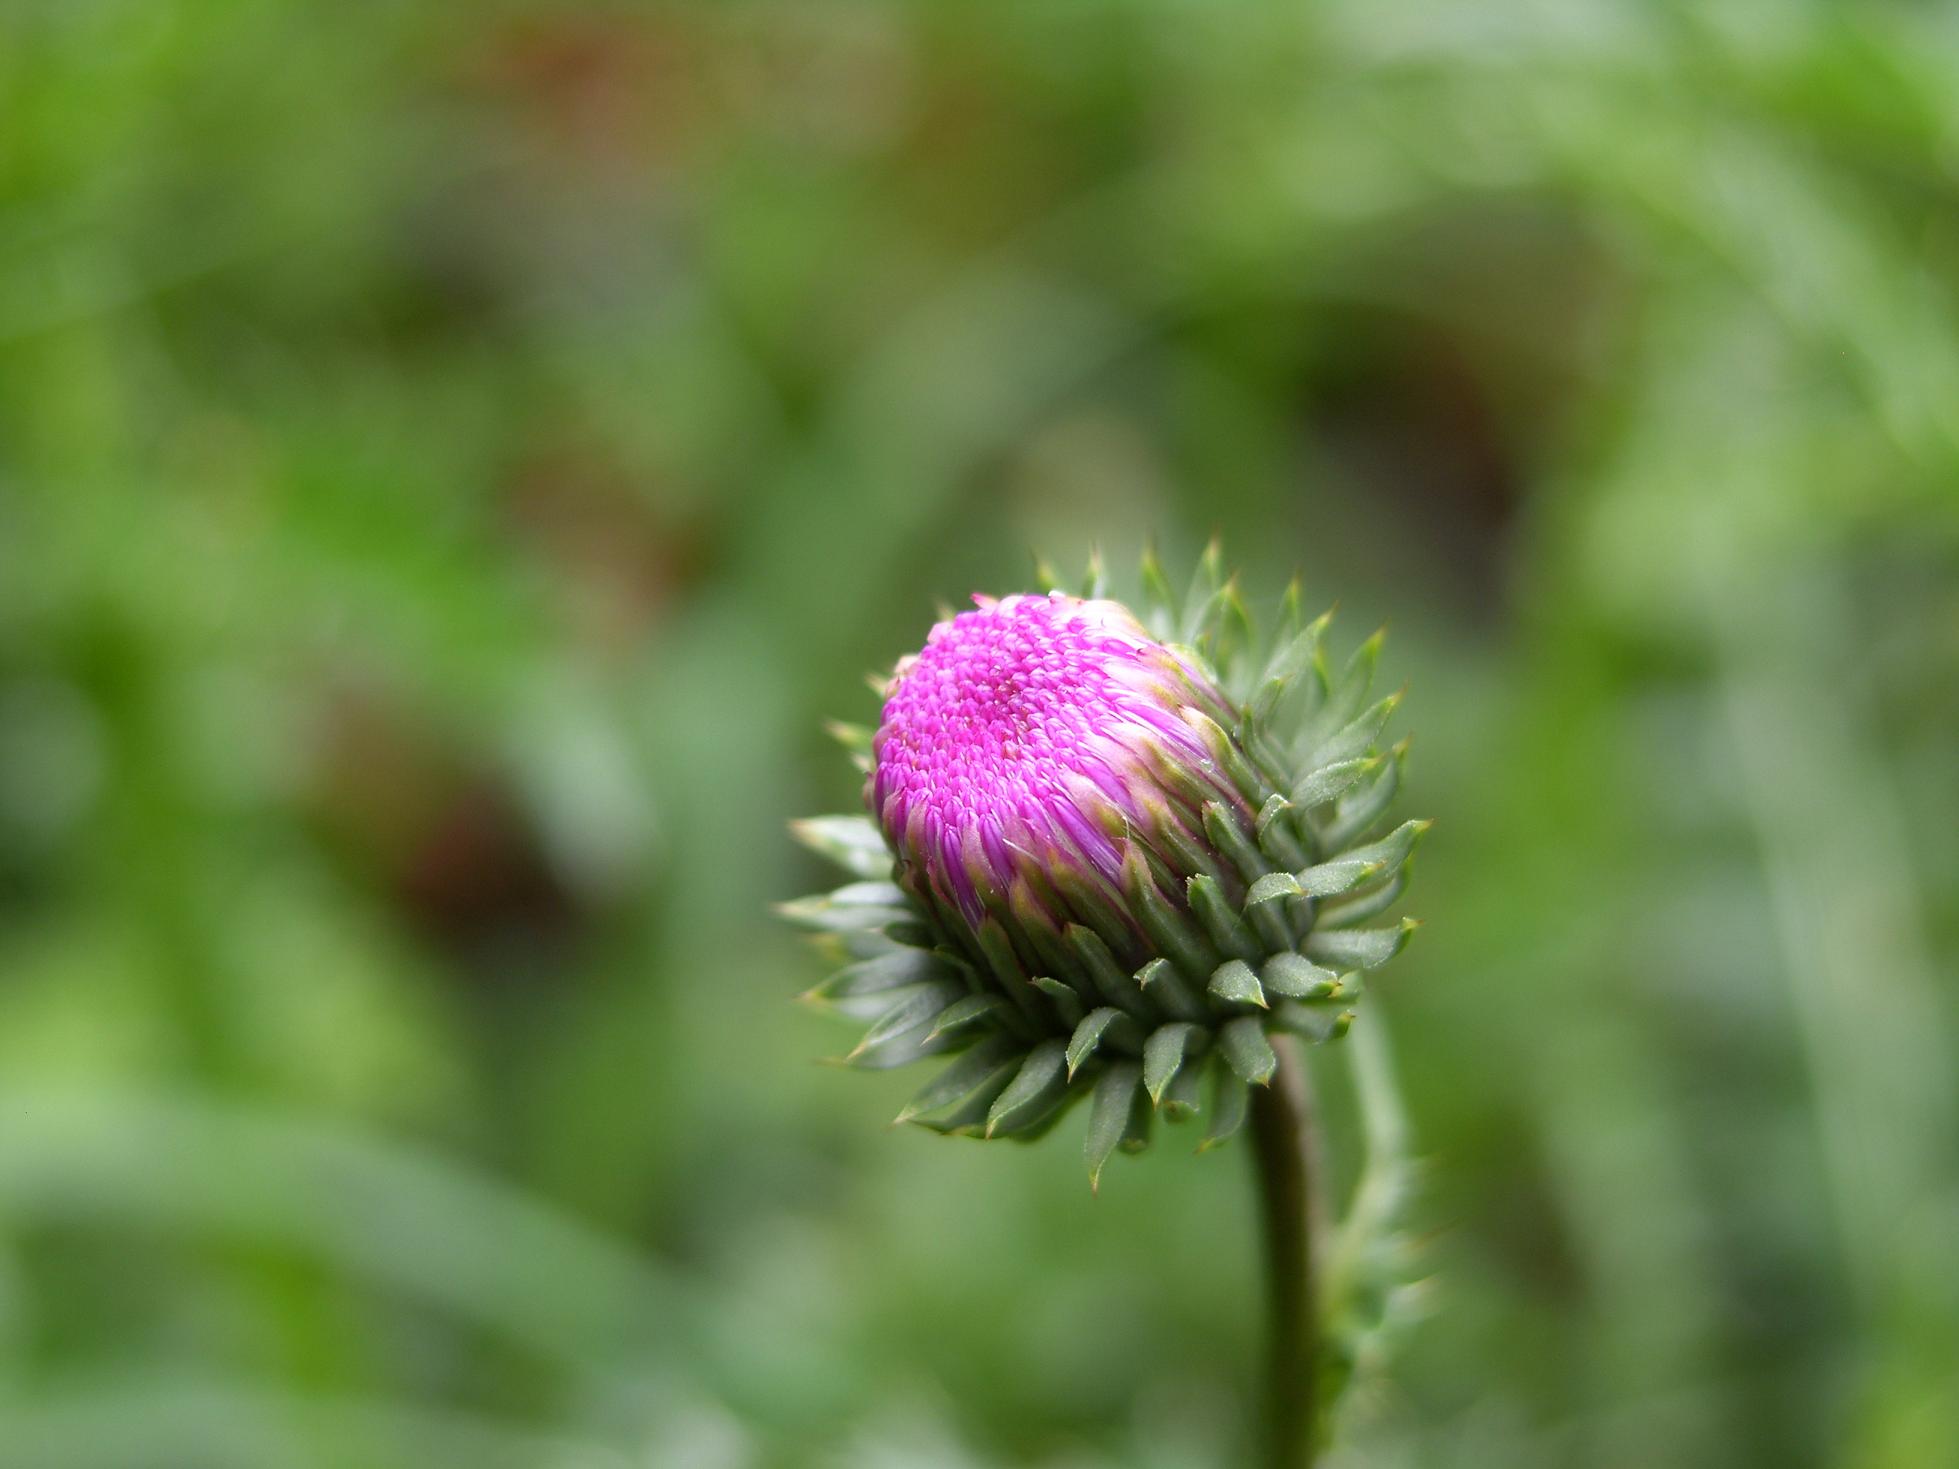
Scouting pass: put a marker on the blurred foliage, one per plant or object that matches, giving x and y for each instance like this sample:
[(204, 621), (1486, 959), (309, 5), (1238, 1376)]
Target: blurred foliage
[(452, 459)]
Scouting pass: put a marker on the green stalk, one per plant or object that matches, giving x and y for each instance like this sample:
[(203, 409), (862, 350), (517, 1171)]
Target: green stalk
[(1285, 1150)]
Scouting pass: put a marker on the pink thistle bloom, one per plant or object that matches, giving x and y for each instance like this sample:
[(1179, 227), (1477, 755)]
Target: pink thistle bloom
[(1035, 733)]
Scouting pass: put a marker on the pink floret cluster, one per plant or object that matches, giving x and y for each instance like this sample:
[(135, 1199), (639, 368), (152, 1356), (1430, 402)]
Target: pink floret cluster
[(1017, 732)]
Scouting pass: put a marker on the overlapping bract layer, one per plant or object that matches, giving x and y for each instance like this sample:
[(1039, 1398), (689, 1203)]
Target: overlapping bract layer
[(1109, 858)]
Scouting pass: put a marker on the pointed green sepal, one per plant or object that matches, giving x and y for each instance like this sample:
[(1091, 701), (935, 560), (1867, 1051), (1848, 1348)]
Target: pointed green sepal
[(1163, 1055), (894, 969), (1359, 948), (1245, 1049), (1230, 1101), (1042, 1077), (1221, 923), (1234, 983), (851, 842), (915, 1011), (972, 1012), (1106, 1023), (1296, 977), (1114, 1099), (995, 1057)]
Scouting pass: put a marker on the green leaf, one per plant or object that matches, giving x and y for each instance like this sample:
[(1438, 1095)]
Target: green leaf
[(1095, 582), (1341, 875), (1221, 923), (1230, 1101), (1117, 987), (1296, 977), (1356, 738), (1317, 1023), (1067, 1003), (1350, 689), (1164, 982), (846, 909), (1276, 836), (852, 842), (1367, 905), (1163, 1055), (997, 1056), (1395, 848), (1359, 948), (1106, 1022), (1234, 983), (1245, 1049), (1291, 657), (1228, 835), (1180, 1098), (1330, 782), (1174, 934), (1205, 585), (1159, 602), (1359, 811), (1041, 1078), (889, 971), (913, 1012), (1272, 887), (1114, 1100), (965, 1014)]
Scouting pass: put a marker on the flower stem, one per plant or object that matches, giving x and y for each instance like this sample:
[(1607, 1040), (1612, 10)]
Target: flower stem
[(1285, 1147)]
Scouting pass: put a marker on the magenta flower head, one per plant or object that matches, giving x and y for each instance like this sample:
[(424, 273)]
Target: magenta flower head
[(1111, 858)]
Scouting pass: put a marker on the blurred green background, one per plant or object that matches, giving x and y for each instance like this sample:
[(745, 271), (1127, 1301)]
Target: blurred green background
[(453, 459)]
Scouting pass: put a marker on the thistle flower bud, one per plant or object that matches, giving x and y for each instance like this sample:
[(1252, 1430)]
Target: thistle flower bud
[(1119, 856)]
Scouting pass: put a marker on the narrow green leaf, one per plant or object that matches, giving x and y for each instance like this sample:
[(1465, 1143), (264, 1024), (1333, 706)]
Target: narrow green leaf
[(838, 913), (1095, 584), (1360, 810), (1342, 875), (1330, 782), (1159, 602), (913, 1012), (1315, 1024), (1175, 935), (996, 1056), (1234, 983), (1067, 1004), (1245, 1049), (1114, 1099), (1229, 836), (1395, 848), (1205, 585), (1165, 983), (967, 1013), (1276, 836), (1368, 905), (1117, 986), (1221, 923), (891, 970), (852, 842), (1230, 1101), (1296, 977), (1350, 689), (1163, 1055), (1356, 738), (1359, 948), (1180, 1098), (1041, 1076), (1272, 887), (1106, 1023)]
